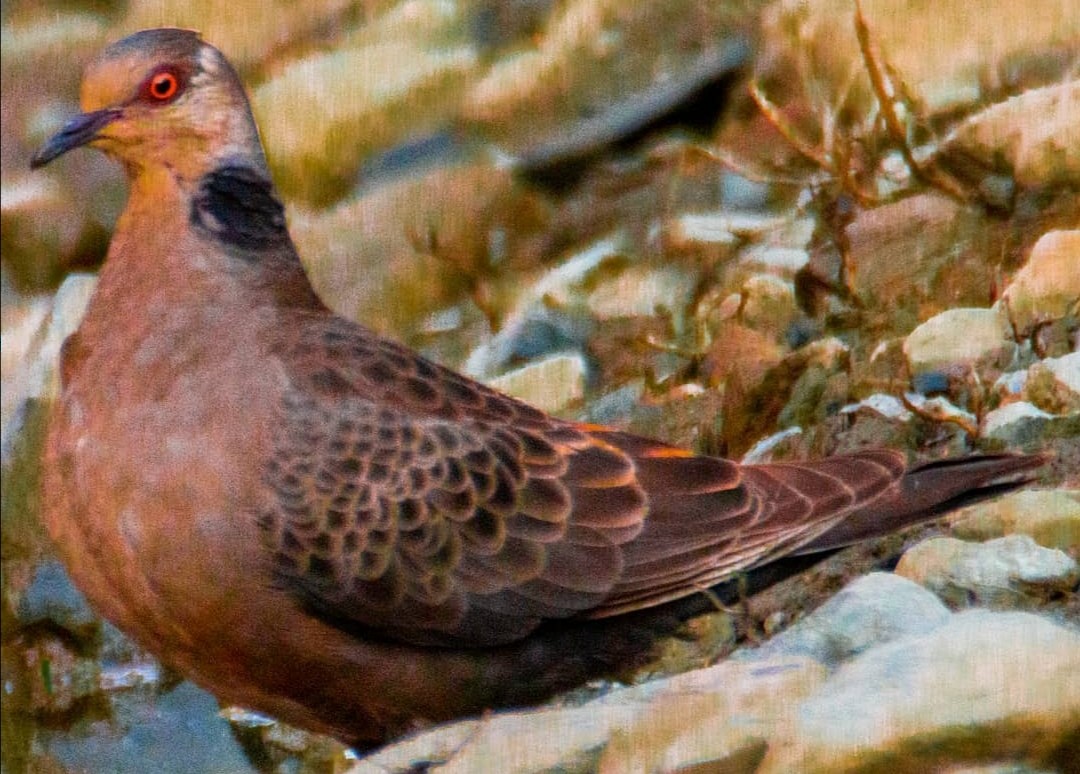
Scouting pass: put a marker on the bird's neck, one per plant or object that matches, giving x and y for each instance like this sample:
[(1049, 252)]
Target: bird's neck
[(217, 248), (232, 226)]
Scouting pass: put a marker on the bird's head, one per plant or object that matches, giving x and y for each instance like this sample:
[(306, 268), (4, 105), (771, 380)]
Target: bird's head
[(161, 98)]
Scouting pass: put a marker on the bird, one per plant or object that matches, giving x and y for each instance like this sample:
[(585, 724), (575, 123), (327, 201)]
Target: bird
[(313, 521)]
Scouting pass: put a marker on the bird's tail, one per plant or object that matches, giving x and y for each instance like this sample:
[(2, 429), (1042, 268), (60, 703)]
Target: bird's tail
[(930, 490)]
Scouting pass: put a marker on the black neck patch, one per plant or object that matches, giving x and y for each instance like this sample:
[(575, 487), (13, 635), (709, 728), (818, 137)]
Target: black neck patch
[(237, 205)]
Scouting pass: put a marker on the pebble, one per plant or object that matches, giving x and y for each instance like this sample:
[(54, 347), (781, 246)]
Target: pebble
[(1049, 516), (1009, 572), (874, 609), (960, 339), (1048, 285)]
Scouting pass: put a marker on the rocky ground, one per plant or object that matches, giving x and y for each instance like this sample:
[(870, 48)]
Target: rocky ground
[(768, 230)]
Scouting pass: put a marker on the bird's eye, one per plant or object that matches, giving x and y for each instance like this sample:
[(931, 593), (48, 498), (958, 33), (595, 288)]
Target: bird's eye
[(162, 86)]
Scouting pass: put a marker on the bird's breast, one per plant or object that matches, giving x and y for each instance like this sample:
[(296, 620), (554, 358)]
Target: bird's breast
[(152, 467)]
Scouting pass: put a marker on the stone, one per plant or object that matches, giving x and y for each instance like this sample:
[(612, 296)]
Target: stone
[(1016, 423), (713, 717), (1048, 285), (1051, 517), (551, 384), (35, 374), (983, 687), (872, 610), (1009, 572), (959, 339), (1053, 384), (1034, 133)]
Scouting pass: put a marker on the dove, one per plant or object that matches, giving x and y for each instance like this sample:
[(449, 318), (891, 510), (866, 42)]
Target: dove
[(313, 521)]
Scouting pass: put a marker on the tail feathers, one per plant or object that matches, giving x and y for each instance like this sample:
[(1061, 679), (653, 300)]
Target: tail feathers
[(928, 491)]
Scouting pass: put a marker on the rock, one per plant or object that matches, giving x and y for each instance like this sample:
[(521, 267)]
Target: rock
[(590, 55), (1048, 285), (768, 304), (818, 393), (47, 225), (765, 449), (52, 597), (925, 243), (1012, 571), (643, 291), (1034, 133), (888, 406), (708, 237), (69, 306), (1009, 386), (716, 232), (615, 407), (786, 259), (739, 192), (937, 53), (959, 339), (537, 333), (1018, 424), (697, 85), (983, 687), (877, 608), (718, 712), (389, 82), (548, 312), (35, 376), (740, 353), (528, 742), (291, 748), (941, 409), (1049, 516), (57, 672), (183, 733), (418, 752), (424, 240), (721, 714), (22, 340), (1053, 384), (1001, 768), (248, 32), (550, 385)]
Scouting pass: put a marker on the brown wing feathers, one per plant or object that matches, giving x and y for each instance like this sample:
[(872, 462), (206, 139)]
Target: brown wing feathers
[(411, 500)]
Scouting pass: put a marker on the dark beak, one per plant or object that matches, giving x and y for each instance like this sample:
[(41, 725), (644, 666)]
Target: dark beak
[(80, 130)]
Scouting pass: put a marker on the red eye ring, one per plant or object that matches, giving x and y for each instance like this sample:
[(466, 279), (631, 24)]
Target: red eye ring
[(162, 86)]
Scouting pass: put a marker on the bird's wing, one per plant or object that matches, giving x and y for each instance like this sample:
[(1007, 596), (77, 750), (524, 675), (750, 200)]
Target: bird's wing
[(411, 501)]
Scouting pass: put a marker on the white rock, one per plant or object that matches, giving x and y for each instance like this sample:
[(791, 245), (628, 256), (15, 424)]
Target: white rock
[(763, 449), (959, 339), (550, 384), (888, 406), (416, 752), (872, 610), (35, 375), (941, 408), (1066, 369), (1050, 516), (1015, 422), (788, 259), (1012, 571), (1054, 384), (1048, 285), (1010, 384), (717, 714), (643, 291), (1035, 133), (929, 699)]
